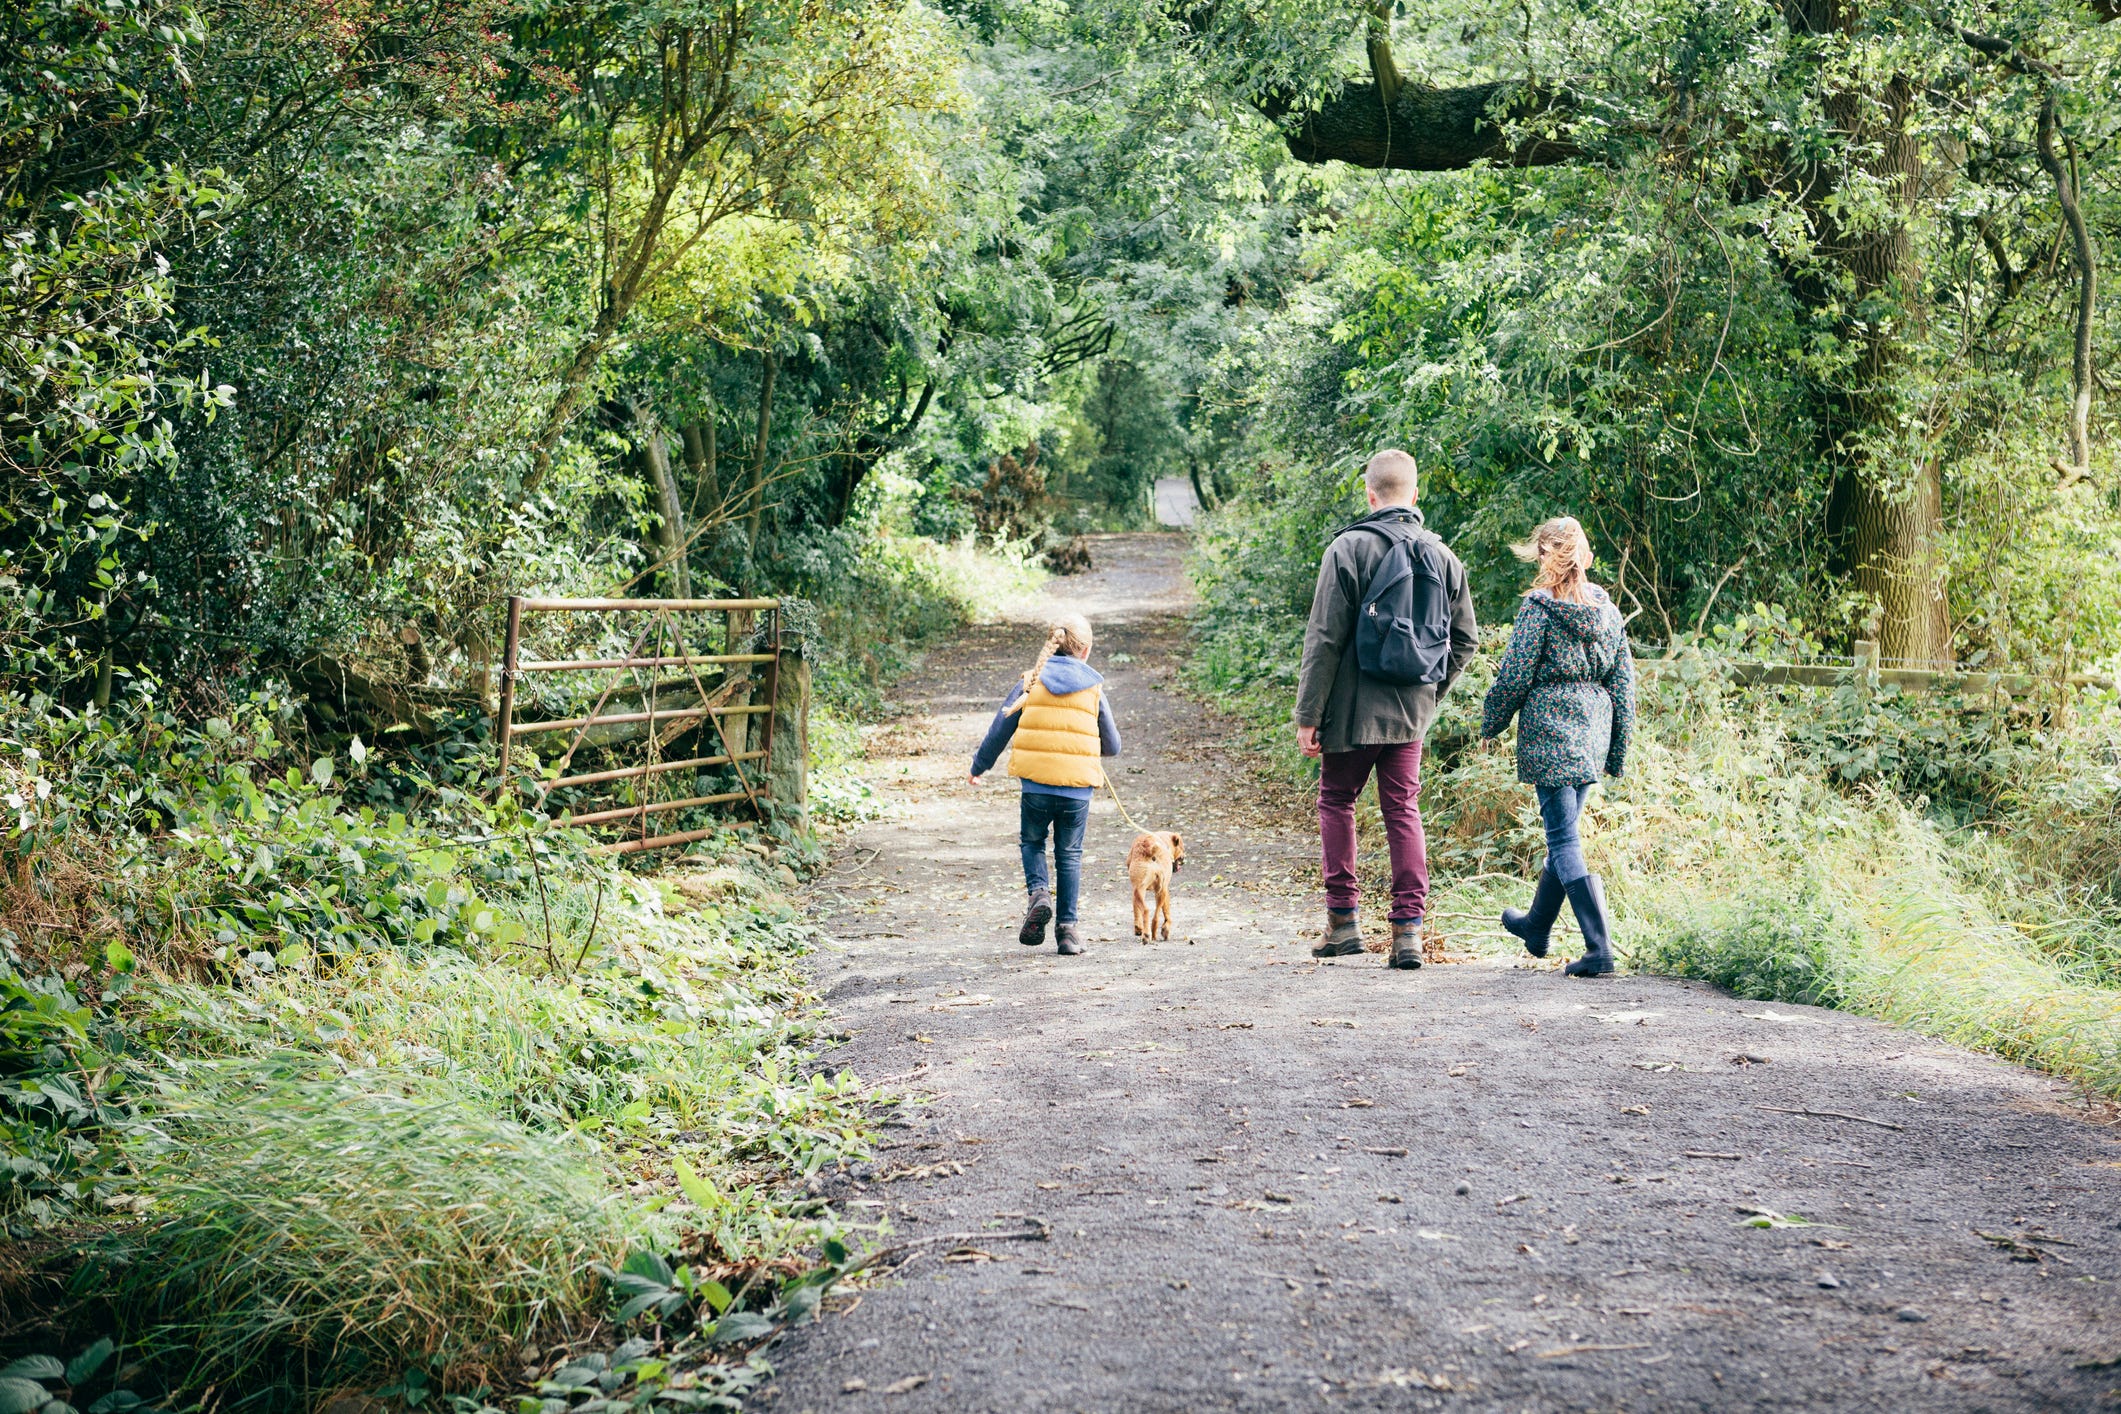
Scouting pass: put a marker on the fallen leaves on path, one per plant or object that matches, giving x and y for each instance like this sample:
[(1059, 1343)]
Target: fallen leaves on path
[(1768, 1217), (1414, 1379), (906, 1386), (947, 1168)]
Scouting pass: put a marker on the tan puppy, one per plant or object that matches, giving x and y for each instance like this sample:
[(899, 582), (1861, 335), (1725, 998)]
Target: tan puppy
[(1150, 864)]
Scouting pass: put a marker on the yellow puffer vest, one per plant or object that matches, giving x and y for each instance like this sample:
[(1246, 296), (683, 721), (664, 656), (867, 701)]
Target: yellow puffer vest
[(1056, 739)]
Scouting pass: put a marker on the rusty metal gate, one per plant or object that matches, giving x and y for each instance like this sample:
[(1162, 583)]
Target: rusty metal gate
[(659, 726)]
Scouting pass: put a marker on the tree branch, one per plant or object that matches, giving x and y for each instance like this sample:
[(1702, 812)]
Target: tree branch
[(1432, 129)]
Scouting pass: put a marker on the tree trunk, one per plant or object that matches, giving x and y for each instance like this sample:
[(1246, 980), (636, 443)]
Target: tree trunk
[(1202, 492), (1890, 539), (700, 459), (2065, 180), (870, 448), (1886, 511), (673, 553), (755, 502)]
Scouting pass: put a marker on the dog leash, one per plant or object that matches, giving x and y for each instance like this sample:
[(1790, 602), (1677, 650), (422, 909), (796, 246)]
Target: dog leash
[(1121, 808)]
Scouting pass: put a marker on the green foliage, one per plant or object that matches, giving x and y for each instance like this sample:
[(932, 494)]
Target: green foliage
[(235, 840), (46, 1383), (59, 1098), (1771, 948), (342, 1221)]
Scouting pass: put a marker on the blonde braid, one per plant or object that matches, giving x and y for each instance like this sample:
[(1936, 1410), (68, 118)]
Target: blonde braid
[(1053, 640), (1069, 631)]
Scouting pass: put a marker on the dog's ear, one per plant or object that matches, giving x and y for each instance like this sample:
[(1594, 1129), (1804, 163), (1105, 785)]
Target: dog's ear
[(1176, 841)]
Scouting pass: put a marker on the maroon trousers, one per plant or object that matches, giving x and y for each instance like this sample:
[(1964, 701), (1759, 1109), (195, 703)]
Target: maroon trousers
[(1340, 779)]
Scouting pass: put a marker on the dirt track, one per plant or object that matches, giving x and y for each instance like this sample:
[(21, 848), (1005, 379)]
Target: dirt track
[(1278, 1184)]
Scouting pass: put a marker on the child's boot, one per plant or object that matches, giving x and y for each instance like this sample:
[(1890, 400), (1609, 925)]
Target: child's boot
[(1343, 934), (1036, 915), (1535, 925), (1064, 935), (1587, 897), (1406, 944)]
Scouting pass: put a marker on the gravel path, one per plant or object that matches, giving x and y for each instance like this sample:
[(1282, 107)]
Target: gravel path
[(1278, 1184)]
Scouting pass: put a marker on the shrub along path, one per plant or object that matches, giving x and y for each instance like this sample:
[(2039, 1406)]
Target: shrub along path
[(1278, 1184)]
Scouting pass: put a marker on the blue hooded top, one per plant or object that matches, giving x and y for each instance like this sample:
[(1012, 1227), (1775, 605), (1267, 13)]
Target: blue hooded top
[(1061, 676)]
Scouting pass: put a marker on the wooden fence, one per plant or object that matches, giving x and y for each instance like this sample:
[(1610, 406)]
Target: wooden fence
[(1865, 670)]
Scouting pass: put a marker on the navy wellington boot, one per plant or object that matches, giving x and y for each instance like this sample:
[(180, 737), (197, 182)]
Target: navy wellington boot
[(1535, 925), (1587, 897)]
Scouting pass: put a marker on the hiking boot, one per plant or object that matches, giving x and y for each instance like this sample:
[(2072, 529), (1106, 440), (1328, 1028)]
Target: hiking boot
[(1587, 898), (1343, 935), (1406, 944), (1036, 915), (1535, 925), (1064, 935)]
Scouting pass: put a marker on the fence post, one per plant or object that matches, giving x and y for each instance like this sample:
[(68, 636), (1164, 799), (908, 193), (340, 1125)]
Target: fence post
[(788, 769), (505, 713), (1867, 666)]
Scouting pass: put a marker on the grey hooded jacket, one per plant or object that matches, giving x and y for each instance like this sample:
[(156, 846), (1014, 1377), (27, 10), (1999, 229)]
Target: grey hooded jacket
[(1569, 681), (1350, 708)]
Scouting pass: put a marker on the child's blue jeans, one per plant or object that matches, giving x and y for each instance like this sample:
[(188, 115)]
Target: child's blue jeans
[(1067, 817)]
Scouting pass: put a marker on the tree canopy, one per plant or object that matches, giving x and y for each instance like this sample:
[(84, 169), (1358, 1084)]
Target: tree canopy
[(325, 323)]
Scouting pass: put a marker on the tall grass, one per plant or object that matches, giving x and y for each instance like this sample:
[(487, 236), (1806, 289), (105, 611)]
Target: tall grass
[(310, 1227), (1887, 931), (694, 1026)]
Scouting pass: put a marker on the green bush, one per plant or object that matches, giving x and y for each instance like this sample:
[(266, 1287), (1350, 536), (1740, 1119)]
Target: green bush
[(1768, 947)]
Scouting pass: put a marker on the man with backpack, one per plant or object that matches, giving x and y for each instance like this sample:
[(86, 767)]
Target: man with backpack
[(1391, 629)]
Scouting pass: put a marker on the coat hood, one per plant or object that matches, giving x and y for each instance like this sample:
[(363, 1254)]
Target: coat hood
[(1063, 675), (1386, 515), (1588, 621)]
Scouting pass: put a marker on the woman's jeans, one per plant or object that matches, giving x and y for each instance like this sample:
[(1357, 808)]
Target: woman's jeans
[(1067, 817), (1559, 807)]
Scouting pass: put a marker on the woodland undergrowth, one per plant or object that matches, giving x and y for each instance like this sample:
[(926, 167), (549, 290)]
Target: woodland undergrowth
[(319, 1069)]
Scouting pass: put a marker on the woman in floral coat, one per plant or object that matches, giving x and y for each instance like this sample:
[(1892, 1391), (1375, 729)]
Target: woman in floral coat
[(1570, 683)]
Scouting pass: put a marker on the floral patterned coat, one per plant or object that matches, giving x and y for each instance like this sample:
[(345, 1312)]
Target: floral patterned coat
[(1569, 681)]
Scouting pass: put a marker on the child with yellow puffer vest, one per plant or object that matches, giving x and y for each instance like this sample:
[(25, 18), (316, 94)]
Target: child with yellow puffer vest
[(1056, 724)]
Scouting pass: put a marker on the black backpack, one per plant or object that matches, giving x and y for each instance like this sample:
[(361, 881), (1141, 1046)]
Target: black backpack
[(1403, 630)]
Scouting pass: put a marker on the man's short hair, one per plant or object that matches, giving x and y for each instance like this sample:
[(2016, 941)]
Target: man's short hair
[(1390, 476)]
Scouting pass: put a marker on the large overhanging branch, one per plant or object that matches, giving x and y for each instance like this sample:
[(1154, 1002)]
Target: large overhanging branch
[(1435, 129)]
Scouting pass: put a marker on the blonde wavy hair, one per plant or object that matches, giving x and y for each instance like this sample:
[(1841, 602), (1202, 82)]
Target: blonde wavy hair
[(1065, 633), (1563, 553)]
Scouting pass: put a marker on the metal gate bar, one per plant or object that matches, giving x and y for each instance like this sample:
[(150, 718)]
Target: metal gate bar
[(714, 708)]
